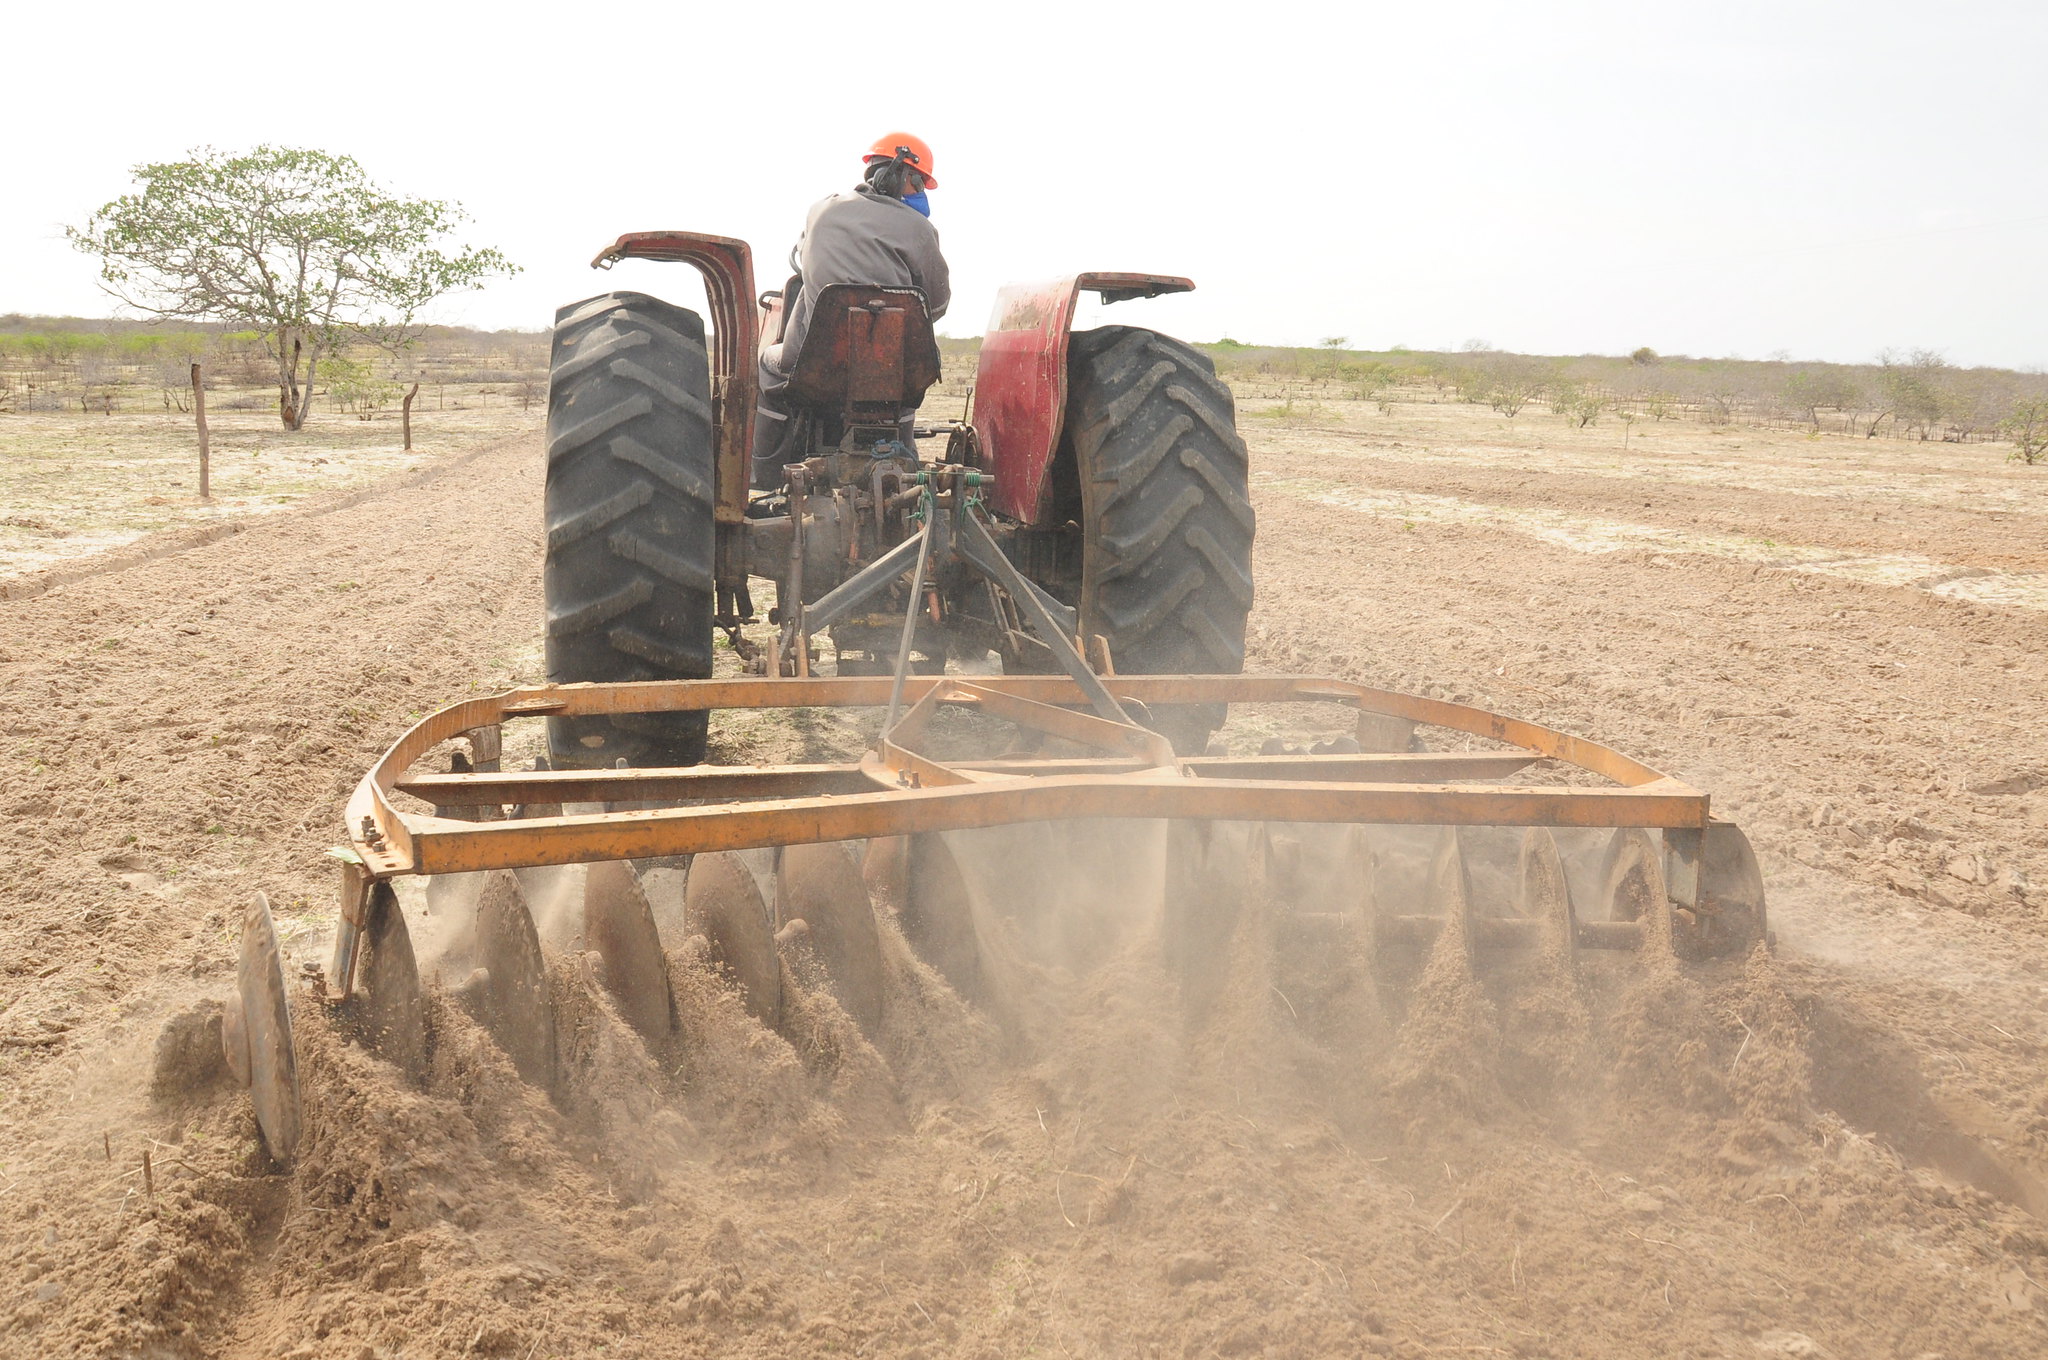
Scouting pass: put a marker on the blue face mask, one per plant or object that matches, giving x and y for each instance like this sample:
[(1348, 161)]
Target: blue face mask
[(919, 202)]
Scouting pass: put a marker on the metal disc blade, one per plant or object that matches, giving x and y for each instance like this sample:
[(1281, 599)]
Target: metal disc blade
[(1312, 884), (821, 885), (390, 1012), (722, 902), (937, 915), (885, 868), (1326, 874), (1284, 869), (1632, 889), (1449, 893), (1208, 872), (451, 915), (1731, 915), (1632, 881), (1546, 896), (539, 809), (619, 925), (266, 1020), (514, 994), (234, 1039), (1362, 900)]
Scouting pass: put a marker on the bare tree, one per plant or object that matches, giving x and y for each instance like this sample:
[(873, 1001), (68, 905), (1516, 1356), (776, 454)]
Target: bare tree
[(172, 368), (1509, 383), (1825, 387), (94, 370), (1974, 401), (1913, 386)]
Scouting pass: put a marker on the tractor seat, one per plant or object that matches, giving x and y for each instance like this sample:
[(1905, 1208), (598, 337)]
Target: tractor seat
[(868, 356)]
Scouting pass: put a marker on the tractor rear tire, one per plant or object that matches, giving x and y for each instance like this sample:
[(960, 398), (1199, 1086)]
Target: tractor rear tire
[(630, 484), (1166, 566)]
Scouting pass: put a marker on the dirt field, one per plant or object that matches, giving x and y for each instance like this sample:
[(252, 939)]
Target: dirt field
[(1836, 1149), (73, 485)]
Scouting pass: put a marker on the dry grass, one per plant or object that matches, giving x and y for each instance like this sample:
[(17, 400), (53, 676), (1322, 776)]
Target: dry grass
[(73, 484)]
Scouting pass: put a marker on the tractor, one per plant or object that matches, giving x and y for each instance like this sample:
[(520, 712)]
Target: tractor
[(1103, 511), (1087, 522)]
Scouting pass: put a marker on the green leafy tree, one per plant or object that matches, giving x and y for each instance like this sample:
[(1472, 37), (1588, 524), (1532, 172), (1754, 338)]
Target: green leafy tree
[(1372, 378), (299, 245), (356, 386), (2027, 428)]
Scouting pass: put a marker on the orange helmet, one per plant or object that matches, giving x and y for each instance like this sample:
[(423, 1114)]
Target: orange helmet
[(920, 156)]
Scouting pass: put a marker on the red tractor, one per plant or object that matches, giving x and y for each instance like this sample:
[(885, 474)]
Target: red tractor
[(1093, 515)]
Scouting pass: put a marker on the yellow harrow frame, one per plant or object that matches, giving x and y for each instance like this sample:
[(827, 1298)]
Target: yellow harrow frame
[(899, 790), (1510, 773)]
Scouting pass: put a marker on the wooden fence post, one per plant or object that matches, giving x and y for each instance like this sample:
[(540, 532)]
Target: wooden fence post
[(405, 412), (205, 449)]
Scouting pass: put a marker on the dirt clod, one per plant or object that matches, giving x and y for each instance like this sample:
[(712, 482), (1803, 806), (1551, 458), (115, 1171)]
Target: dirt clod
[(188, 1063)]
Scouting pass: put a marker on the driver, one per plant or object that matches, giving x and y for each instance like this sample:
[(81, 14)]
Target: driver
[(880, 235)]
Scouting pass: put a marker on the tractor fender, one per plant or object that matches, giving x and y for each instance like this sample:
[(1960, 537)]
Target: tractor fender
[(728, 269), (1020, 385)]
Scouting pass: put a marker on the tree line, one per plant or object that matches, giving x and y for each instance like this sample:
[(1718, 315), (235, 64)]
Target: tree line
[(1910, 394), (106, 366)]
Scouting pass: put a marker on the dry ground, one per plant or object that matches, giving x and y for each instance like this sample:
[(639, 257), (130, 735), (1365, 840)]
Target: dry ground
[(1838, 1149), (72, 484)]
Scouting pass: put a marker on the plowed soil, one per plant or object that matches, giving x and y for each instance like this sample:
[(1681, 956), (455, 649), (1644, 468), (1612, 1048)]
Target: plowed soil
[(1838, 1146)]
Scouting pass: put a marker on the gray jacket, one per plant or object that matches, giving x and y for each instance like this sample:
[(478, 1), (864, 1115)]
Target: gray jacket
[(862, 237)]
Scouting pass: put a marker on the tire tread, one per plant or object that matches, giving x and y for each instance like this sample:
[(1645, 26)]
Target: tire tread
[(1166, 573), (630, 537)]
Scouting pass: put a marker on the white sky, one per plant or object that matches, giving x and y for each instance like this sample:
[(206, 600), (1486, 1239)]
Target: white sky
[(1826, 179)]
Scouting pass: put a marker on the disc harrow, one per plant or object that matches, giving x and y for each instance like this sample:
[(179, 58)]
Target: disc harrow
[(1527, 842)]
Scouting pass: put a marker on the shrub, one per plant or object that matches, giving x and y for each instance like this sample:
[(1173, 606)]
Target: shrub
[(354, 385), (1579, 407), (2027, 428)]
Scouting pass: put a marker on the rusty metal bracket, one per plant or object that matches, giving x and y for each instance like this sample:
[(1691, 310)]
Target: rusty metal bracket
[(349, 926)]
